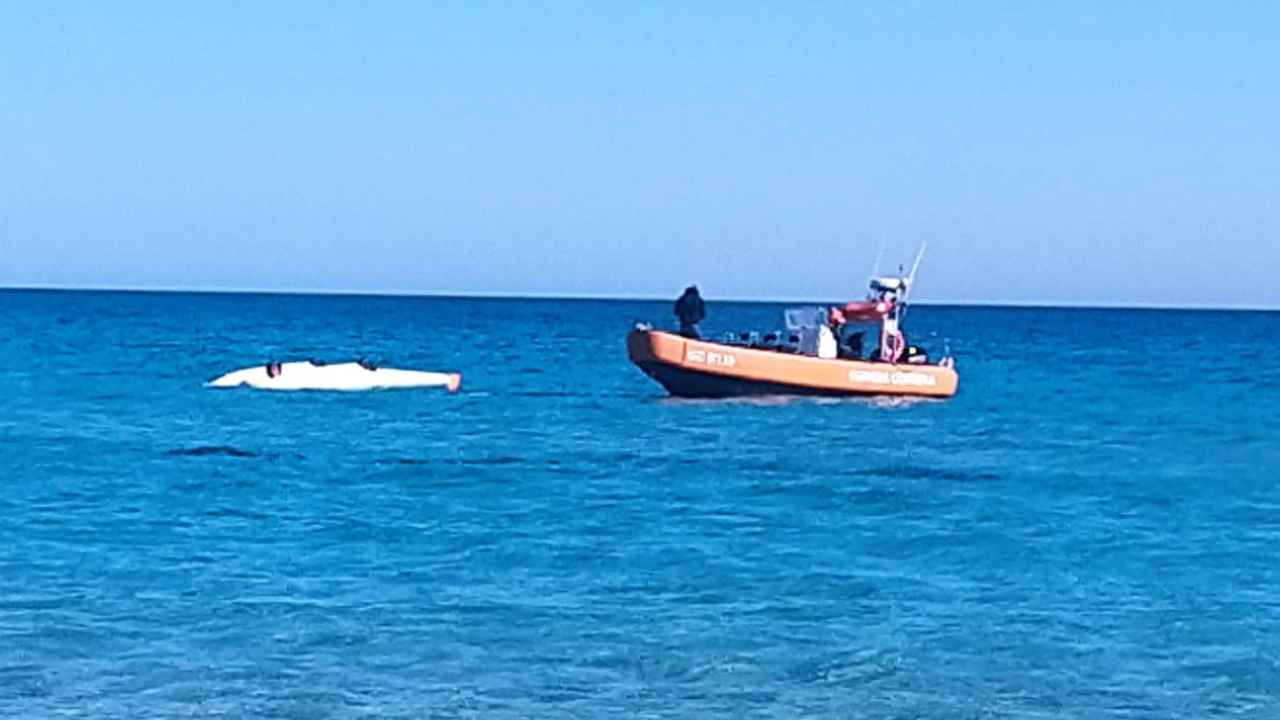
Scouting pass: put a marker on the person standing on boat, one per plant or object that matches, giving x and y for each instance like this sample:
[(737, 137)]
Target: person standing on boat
[(690, 311)]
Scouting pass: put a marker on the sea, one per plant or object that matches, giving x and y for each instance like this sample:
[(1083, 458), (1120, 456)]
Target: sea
[(1089, 529)]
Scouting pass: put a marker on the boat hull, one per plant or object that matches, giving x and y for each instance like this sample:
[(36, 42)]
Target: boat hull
[(701, 369), (342, 376)]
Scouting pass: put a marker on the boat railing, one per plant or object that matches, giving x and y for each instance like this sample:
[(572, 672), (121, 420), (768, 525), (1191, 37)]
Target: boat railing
[(778, 340)]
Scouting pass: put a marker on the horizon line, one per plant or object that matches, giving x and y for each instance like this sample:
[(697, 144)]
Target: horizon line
[(462, 295)]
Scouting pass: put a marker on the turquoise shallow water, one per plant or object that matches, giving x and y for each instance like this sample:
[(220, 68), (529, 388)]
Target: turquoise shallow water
[(1090, 529)]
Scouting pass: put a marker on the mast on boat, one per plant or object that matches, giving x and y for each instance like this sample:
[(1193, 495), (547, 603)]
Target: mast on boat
[(893, 293)]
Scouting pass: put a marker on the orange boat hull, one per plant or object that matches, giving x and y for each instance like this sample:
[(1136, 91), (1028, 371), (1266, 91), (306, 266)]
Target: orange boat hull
[(697, 368)]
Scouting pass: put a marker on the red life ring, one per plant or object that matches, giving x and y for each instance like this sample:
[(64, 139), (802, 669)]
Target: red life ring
[(895, 346)]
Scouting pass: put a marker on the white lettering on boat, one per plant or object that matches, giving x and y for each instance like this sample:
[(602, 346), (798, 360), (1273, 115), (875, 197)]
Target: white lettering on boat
[(705, 357), (884, 377)]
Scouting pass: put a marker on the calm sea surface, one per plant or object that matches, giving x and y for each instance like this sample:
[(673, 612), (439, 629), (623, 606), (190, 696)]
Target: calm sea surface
[(1090, 529)]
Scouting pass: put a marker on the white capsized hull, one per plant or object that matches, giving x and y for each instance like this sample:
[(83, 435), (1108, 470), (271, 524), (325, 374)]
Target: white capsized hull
[(339, 376)]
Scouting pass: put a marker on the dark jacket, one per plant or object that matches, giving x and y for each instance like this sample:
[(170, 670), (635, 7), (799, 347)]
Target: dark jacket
[(689, 309)]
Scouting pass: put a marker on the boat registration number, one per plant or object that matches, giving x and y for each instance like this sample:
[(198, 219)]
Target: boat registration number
[(884, 377), (711, 358)]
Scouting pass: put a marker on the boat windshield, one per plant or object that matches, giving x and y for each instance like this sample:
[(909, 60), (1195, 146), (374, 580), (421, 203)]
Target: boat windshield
[(805, 318)]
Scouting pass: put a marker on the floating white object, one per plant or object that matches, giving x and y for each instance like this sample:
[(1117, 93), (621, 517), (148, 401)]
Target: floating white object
[(307, 375)]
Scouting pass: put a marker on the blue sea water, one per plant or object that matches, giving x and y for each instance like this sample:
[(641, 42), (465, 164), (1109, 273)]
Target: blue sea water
[(1090, 529)]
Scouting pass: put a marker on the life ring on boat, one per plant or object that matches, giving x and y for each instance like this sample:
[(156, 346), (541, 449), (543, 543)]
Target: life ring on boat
[(895, 346)]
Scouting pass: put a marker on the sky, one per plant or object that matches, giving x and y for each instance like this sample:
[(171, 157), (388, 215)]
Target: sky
[(1083, 153)]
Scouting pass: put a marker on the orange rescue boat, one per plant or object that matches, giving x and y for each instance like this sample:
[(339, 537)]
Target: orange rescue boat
[(701, 369), (810, 358)]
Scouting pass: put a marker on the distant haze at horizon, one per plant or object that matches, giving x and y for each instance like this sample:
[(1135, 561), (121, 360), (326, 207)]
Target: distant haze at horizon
[(1088, 154), (643, 299)]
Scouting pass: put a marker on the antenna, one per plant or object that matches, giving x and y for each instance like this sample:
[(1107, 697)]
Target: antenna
[(920, 256), (879, 256), (911, 279)]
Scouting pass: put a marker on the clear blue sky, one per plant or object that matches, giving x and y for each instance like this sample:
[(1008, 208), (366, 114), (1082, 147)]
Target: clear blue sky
[(1065, 152)]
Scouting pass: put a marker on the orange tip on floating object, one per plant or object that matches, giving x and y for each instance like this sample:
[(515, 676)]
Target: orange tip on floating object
[(454, 383)]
